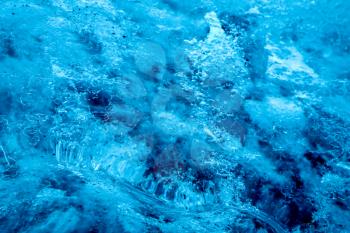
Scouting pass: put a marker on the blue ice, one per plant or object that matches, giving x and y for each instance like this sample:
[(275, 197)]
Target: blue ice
[(174, 116)]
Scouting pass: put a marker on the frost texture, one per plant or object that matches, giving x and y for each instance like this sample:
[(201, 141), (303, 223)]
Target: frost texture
[(174, 116)]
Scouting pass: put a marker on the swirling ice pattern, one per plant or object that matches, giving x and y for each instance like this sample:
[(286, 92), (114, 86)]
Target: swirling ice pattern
[(174, 116)]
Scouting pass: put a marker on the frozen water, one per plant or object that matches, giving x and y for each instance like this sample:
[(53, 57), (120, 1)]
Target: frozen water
[(174, 116)]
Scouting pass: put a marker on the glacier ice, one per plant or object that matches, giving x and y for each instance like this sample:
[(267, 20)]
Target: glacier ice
[(174, 116)]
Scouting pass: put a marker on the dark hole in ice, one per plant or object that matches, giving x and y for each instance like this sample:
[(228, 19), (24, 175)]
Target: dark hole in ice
[(342, 204), (316, 141), (298, 208), (11, 172), (298, 183), (149, 212), (65, 181), (264, 145), (98, 98), (99, 102), (171, 68), (316, 159), (277, 193), (8, 48), (300, 213), (254, 190), (94, 229), (202, 179), (43, 214), (228, 85)]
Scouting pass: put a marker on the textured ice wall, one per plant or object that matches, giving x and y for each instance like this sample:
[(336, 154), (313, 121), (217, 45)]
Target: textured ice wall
[(174, 116)]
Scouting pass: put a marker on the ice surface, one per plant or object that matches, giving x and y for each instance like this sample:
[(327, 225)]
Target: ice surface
[(174, 116)]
